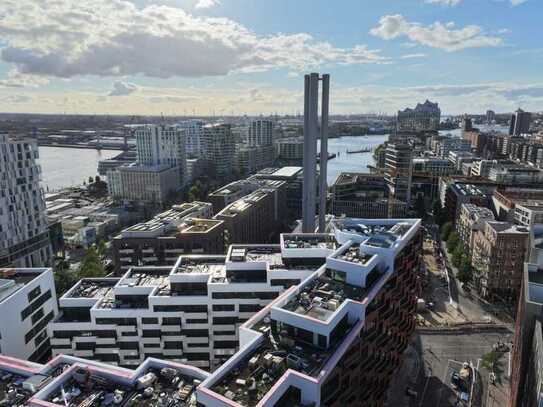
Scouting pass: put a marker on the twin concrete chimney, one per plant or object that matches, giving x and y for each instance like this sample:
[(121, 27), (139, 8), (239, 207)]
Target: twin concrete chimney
[(311, 129)]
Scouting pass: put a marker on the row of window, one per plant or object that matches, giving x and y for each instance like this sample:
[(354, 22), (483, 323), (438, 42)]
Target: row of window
[(38, 327), (27, 311)]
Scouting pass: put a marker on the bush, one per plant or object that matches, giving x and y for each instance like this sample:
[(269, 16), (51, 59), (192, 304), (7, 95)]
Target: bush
[(452, 242), (446, 230)]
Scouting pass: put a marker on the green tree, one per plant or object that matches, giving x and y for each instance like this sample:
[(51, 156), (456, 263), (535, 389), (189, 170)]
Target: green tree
[(446, 230), (465, 272), (194, 193), (91, 180), (457, 255), (452, 242), (91, 266), (97, 179), (492, 362), (64, 277), (102, 248)]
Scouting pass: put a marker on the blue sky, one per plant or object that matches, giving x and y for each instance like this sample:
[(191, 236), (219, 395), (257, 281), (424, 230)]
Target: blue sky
[(249, 56)]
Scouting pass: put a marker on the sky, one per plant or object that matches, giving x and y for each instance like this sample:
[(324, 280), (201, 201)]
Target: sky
[(205, 57)]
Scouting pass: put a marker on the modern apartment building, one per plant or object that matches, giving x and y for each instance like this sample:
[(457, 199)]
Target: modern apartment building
[(24, 233), (523, 206), (520, 123), (84, 382), (219, 148), (251, 159), (194, 130), (232, 192), (189, 313), (515, 174), (150, 184), (320, 319), (433, 166), (448, 144), (260, 133), (481, 168), (470, 220), (364, 196), (399, 171), (337, 338), (293, 178), (162, 145), (28, 302), (424, 117), (160, 169), (184, 229), (257, 217), (499, 252), (290, 148)]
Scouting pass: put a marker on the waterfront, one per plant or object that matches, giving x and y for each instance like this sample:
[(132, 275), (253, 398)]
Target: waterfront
[(65, 167), (351, 162)]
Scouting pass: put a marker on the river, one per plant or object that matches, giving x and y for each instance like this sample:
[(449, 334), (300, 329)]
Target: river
[(65, 167), (351, 162)]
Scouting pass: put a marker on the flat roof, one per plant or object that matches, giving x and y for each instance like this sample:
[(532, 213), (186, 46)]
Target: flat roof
[(12, 280)]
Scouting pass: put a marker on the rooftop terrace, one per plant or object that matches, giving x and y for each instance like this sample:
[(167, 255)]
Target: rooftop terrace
[(155, 388), (309, 241), (89, 288), (322, 297), (199, 264)]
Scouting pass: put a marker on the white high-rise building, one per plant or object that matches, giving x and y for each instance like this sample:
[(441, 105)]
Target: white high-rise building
[(219, 148), (160, 170), (28, 302), (260, 133), (24, 234), (162, 145), (194, 130)]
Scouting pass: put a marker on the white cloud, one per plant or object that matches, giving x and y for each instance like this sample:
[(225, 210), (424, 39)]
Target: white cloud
[(452, 3), (202, 4), (121, 88), (116, 38), (444, 2), (17, 99), (411, 56), (436, 35)]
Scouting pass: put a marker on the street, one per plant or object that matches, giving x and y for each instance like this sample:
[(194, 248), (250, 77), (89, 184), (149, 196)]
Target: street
[(457, 327)]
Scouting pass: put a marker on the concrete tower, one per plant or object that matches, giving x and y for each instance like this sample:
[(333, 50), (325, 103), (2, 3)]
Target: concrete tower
[(311, 128)]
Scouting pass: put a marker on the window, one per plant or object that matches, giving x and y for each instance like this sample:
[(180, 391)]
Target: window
[(129, 345), (196, 321), (223, 307), (150, 333), (171, 321), (149, 321), (225, 344), (32, 294), (36, 316), (180, 308), (249, 307), (35, 305), (173, 345), (224, 320)]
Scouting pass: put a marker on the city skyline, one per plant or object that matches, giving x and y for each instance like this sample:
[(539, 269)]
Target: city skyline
[(205, 57)]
